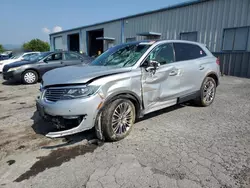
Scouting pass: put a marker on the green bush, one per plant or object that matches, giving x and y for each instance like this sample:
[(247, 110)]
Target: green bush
[(36, 45)]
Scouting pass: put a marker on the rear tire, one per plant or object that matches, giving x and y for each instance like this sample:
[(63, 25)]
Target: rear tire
[(30, 77), (207, 92), (117, 119)]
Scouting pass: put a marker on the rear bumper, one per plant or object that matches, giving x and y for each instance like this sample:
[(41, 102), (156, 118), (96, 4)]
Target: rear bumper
[(12, 76)]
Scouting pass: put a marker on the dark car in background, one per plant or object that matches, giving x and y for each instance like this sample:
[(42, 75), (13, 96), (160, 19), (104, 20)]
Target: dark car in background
[(6, 55), (31, 70), (3, 57)]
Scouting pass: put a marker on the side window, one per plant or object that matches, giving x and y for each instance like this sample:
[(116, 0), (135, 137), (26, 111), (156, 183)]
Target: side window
[(27, 56), (54, 57), (164, 54), (72, 56), (185, 51)]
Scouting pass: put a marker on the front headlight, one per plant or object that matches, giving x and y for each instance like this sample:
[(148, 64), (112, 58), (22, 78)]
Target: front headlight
[(74, 93), (41, 87), (13, 69)]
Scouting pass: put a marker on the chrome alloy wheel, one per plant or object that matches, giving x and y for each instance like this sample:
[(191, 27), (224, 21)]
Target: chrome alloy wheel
[(122, 118), (209, 92), (29, 77)]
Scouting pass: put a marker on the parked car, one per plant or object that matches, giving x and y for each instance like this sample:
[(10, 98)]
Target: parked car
[(18, 57), (32, 70), (125, 83), (3, 57), (7, 53)]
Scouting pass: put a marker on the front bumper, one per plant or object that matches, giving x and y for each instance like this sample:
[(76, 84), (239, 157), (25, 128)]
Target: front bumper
[(12, 75), (86, 108)]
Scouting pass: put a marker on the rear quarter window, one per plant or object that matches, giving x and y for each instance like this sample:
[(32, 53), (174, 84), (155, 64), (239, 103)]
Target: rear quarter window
[(185, 51)]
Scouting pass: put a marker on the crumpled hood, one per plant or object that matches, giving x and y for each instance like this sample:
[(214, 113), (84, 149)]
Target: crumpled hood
[(79, 74)]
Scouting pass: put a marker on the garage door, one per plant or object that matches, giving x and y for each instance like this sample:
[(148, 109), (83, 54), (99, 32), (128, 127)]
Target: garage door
[(58, 43)]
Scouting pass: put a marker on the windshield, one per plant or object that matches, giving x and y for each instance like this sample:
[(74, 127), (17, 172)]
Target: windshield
[(125, 55), (17, 56), (31, 57), (38, 56)]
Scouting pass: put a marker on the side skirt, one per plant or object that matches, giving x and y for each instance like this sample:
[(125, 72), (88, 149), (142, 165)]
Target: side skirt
[(188, 97)]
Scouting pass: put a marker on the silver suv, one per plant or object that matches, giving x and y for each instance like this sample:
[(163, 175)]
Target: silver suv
[(125, 83)]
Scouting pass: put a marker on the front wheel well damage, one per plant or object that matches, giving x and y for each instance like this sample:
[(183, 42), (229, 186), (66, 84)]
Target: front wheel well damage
[(131, 97)]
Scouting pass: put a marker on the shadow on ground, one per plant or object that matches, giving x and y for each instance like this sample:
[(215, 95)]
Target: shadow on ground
[(11, 83)]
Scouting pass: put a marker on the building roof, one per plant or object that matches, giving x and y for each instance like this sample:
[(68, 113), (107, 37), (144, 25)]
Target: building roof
[(190, 2)]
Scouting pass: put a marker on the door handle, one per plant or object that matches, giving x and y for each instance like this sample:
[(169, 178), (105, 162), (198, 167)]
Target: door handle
[(173, 73), (201, 67)]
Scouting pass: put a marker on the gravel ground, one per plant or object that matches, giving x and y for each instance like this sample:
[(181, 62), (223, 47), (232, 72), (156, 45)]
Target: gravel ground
[(183, 146)]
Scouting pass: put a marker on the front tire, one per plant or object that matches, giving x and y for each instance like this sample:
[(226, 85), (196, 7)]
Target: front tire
[(207, 92), (117, 119), (30, 77)]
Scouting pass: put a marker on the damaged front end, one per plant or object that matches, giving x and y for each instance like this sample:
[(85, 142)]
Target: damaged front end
[(69, 115), (66, 125)]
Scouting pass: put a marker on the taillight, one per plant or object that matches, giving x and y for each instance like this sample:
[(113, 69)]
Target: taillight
[(218, 61)]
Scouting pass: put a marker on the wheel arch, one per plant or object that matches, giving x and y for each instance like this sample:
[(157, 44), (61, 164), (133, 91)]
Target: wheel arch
[(38, 74), (133, 97), (214, 76)]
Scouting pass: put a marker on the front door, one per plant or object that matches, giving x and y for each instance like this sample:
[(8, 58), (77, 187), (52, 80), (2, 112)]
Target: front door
[(51, 62), (160, 88)]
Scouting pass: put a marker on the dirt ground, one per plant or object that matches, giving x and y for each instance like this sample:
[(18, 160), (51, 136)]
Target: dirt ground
[(183, 146)]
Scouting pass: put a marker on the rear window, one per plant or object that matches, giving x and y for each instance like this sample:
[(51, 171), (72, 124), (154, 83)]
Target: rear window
[(185, 51)]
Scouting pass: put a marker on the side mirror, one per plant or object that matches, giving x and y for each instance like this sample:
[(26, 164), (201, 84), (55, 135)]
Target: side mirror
[(45, 61), (153, 66)]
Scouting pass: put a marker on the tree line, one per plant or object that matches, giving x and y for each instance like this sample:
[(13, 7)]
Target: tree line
[(32, 45)]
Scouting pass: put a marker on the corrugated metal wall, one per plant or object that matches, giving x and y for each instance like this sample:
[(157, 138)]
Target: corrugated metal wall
[(112, 29), (208, 18), (64, 39), (235, 64)]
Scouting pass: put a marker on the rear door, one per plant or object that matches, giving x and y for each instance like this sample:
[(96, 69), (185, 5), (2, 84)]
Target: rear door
[(50, 62), (190, 58), (71, 58)]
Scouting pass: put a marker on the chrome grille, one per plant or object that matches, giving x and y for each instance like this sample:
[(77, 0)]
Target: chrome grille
[(53, 94)]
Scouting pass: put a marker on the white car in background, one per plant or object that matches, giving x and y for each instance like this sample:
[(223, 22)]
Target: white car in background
[(19, 57)]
